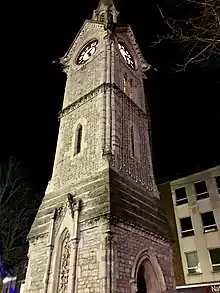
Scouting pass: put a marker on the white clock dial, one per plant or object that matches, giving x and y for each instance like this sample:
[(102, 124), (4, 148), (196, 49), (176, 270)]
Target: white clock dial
[(126, 55), (87, 52)]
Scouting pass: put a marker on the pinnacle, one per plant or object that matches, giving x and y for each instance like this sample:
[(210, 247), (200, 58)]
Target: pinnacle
[(107, 2)]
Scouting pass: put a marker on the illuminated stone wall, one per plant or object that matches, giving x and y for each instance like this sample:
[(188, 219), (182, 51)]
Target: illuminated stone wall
[(120, 212)]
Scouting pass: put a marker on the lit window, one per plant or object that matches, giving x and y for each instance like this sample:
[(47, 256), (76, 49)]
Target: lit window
[(218, 182), (186, 227), (193, 263), (78, 139), (125, 84), (181, 196), (215, 259), (201, 190), (208, 221)]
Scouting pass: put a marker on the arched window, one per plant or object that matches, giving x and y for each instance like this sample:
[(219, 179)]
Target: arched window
[(141, 283), (78, 139), (125, 83), (131, 88), (102, 17), (132, 142)]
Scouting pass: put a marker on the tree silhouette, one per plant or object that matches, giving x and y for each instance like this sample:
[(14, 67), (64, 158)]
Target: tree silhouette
[(17, 208), (195, 27)]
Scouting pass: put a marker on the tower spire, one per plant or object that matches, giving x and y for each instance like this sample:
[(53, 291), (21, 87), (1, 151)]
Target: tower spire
[(106, 10), (106, 2)]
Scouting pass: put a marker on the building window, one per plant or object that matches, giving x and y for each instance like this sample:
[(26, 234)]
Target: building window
[(102, 17), (215, 259), (78, 139), (125, 83), (201, 190), (186, 227), (193, 263), (218, 182), (208, 221), (181, 196), (131, 88), (132, 142)]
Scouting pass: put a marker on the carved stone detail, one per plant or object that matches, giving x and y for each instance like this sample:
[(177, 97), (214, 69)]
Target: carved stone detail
[(61, 211), (64, 265)]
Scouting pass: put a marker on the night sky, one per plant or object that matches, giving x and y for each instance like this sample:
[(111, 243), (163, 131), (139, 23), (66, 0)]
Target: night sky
[(184, 106)]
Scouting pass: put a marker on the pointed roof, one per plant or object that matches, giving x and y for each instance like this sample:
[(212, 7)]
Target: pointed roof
[(103, 6), (106, 2)]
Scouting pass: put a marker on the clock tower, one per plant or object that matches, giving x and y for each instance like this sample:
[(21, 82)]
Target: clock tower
[(100, 228)]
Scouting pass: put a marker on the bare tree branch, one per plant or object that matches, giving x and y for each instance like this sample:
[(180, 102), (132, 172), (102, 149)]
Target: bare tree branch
[(16, 212), (198, 31)]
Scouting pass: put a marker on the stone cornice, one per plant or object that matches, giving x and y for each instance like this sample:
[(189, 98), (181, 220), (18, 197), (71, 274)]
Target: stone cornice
[(42, 235), (133, 227), (114, 220), (101, 88), (81, 101), (129, 100)]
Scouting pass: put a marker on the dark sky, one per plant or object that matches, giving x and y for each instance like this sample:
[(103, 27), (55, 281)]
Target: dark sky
[(184, 106)]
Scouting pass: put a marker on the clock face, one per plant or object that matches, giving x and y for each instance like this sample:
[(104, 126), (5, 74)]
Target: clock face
[(127, 56), (87, 52)]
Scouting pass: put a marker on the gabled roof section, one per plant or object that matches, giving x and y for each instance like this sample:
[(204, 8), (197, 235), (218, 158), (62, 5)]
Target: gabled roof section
[(79, 37)]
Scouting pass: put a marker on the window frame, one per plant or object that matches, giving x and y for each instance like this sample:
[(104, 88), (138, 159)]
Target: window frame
[(198, 267), (188, 230), (214, 265), (78, 140), (179, 200), (200, 196), (205, 230), (218, 183)]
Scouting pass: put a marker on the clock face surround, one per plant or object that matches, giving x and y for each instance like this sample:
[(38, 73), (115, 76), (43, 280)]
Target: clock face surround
[(87, 52), (126, 55)]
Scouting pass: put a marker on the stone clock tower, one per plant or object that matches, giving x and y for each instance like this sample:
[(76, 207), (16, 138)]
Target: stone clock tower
[(99, 228)]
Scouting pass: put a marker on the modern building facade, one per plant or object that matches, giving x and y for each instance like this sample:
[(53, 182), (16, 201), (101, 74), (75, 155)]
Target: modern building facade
[(100, 227), (194, 207)]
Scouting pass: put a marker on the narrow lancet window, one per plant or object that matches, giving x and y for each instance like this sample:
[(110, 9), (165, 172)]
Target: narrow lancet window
[(79, 139), (102, 17), (132, 141), (125, 84), (131, 88)]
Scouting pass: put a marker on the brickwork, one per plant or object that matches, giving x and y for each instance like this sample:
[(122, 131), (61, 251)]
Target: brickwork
[(70, 168), (93, 70), (37, 264), (127, 243), (91, 261)]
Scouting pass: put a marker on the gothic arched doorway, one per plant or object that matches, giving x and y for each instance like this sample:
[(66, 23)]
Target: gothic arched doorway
[(147, 276), (141, 282)]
